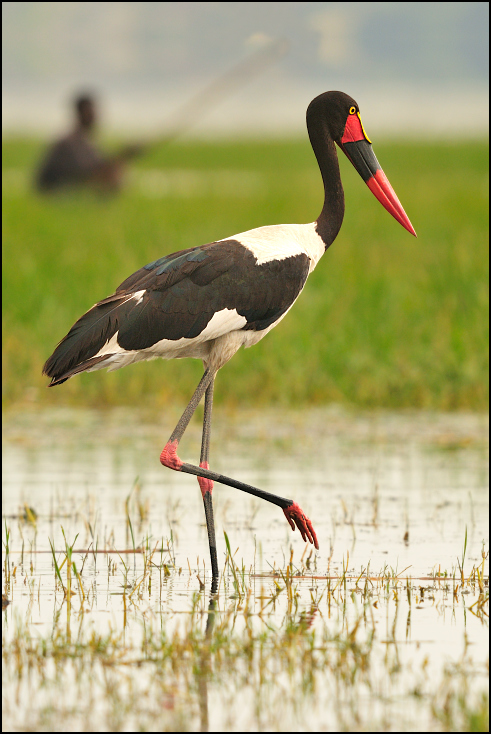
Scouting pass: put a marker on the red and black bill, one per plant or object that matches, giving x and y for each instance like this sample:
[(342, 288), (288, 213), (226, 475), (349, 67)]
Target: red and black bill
[(358, 148)]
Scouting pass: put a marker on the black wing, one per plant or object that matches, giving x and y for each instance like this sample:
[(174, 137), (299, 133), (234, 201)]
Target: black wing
[(176, 297)]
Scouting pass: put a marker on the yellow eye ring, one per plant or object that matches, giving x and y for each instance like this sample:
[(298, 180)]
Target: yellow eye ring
[(352, 110)]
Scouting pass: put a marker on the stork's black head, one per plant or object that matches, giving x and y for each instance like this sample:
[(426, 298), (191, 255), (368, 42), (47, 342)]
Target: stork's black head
[(336, 116), (332, 110)]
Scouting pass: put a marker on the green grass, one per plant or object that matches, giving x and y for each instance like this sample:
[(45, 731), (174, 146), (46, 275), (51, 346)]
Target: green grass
[(385, 319)]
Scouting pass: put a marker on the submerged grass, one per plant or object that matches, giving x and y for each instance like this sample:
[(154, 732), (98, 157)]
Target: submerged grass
[(256, 657), (385, 320)]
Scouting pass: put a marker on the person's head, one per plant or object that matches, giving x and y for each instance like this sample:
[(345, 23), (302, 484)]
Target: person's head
[(85, 109)]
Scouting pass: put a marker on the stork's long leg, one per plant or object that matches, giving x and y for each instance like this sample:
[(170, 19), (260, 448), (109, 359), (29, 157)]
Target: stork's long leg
[(293, 513), (206, 485), (169, 457)]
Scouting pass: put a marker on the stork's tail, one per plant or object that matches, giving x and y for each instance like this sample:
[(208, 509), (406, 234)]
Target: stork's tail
[(79, 350)]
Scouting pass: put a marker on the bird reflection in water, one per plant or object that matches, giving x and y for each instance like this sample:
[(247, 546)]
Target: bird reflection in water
[(204, 668)]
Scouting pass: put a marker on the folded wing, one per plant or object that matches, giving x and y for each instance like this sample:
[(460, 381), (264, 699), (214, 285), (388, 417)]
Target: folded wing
[(175, 298)]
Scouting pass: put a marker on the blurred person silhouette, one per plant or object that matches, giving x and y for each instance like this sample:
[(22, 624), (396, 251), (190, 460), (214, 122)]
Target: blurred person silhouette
[(74, 161)]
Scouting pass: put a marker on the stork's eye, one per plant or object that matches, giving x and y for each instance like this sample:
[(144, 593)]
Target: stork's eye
[(352, 110)]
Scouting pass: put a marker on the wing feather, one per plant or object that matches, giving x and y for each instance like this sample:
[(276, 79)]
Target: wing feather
[(176, 297)]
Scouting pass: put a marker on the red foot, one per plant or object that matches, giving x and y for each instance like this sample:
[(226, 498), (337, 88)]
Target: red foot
[(169, 456), (206, 485), (296, 517)]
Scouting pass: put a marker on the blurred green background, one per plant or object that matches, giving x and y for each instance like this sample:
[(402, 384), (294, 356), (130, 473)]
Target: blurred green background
[(385, 320)]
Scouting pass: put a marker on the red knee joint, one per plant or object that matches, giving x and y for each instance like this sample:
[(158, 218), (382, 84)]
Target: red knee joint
[(206, 485), (169, 456)]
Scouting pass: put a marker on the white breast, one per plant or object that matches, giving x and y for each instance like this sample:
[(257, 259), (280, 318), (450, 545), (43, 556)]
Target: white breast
[(279, 241)]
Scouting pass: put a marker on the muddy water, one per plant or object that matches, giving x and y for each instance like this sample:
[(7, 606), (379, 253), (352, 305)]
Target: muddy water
[(389, 495)]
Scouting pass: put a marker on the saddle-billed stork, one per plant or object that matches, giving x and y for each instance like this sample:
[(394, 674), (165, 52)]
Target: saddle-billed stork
[(208, 301)]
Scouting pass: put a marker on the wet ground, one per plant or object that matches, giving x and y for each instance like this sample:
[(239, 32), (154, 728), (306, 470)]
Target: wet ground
[(385, 627)]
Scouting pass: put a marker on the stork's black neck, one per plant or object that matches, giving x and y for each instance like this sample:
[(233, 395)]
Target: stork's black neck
[(330, 219)]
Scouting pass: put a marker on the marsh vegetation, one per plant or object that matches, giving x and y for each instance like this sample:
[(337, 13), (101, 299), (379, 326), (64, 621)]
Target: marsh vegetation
[(111, 625)]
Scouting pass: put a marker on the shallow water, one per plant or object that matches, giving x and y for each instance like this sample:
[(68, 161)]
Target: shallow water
[(391, 496)]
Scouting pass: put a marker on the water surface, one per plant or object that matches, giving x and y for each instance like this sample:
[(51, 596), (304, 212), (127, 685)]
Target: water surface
[(393, 498)]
